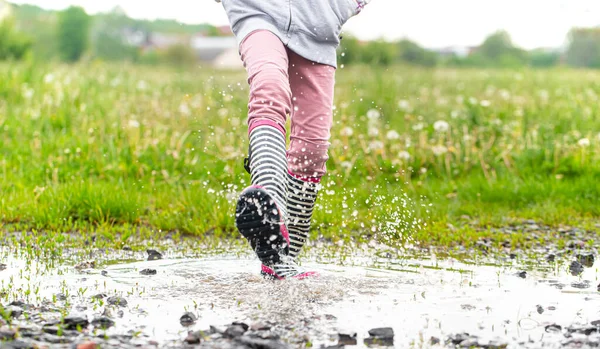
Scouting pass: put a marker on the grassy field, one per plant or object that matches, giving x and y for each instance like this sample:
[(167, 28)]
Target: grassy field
[(125, 149)]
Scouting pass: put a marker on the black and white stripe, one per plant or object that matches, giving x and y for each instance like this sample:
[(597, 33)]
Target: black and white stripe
[(300, 204), (268, 164), (287, 269)]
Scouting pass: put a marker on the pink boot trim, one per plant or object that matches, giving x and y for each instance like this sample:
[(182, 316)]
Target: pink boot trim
[(301, 276), (304, 178)]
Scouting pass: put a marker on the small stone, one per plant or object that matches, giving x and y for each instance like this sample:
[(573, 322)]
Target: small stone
[(74, 322), (2, 266), (13, 311), (259, 326), (540, 309), (216, 330), (512, 256), (50, 338), (459, 338), (85, 265), (7, 335), (104, 273), (148, 272), (576, 268), (18, 303), (244, 326), (551, 258), (529, 222), (50, 329), (383, 332), (262, 343), (587, 260), (553, 328), (265, 335), (376, 341), (154, 255), (522, 274), (87, 345), (234, 331), (469, 343), (581, 285), (347, 338), (551, 308), (596, 323), (103, 322), (434, 341), (127, 248), (116, 300), (188, 319), (194, 337), (585, 330), (468, 307)]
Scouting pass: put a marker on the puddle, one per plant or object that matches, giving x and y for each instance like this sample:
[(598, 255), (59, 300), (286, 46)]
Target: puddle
[(418, 298)]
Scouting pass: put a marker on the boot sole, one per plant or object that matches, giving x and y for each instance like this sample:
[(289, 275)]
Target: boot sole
[(259, 221)]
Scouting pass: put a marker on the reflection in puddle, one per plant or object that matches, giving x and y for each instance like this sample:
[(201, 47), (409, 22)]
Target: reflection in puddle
[(419, 299)]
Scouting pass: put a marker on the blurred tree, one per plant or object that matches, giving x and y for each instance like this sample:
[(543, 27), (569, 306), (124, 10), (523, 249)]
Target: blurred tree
[(13, 44), (584, 47), (379, 52), (543, 59), (180, 55), (411, 52), (40, 25), (350, 51), (110, 35), (499, 50), (73, 33)]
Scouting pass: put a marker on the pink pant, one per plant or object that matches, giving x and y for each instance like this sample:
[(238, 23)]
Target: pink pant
[(282, 83)]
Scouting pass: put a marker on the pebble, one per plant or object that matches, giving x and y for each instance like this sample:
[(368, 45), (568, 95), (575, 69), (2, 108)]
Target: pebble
[(234, 331), (74, 322), (153, 255), (13, 311), (553, 328), (522, 274), (581, 285), (347, 338), (576, 268), (260, 326), (188, 319), (383, 332), (587, 260), (116, 300), (103, 322), (7, 334), (195, 337), (148, 272), (99, 296)]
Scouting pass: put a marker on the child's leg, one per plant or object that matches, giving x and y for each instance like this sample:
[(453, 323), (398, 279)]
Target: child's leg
[(261, 211), (312, 87)]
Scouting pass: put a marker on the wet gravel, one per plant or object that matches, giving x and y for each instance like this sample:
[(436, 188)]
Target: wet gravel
[(61, 322)]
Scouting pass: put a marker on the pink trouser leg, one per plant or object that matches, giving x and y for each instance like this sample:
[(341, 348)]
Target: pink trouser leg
[(266, 61), (312, 87)]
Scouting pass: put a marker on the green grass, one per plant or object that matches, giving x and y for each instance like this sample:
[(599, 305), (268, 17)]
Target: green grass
[(122, 148)]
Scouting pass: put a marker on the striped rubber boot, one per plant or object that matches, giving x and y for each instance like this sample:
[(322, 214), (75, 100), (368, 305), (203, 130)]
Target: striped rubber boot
[(302, 196), (261, 210)]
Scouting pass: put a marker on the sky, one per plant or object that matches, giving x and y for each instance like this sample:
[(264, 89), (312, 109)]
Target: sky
[(432, 23)]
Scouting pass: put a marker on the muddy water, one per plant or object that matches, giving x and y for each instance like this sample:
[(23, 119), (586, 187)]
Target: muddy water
[(419, 298)]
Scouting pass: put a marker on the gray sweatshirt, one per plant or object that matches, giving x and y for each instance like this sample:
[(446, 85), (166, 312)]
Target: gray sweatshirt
[(311, 28)]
